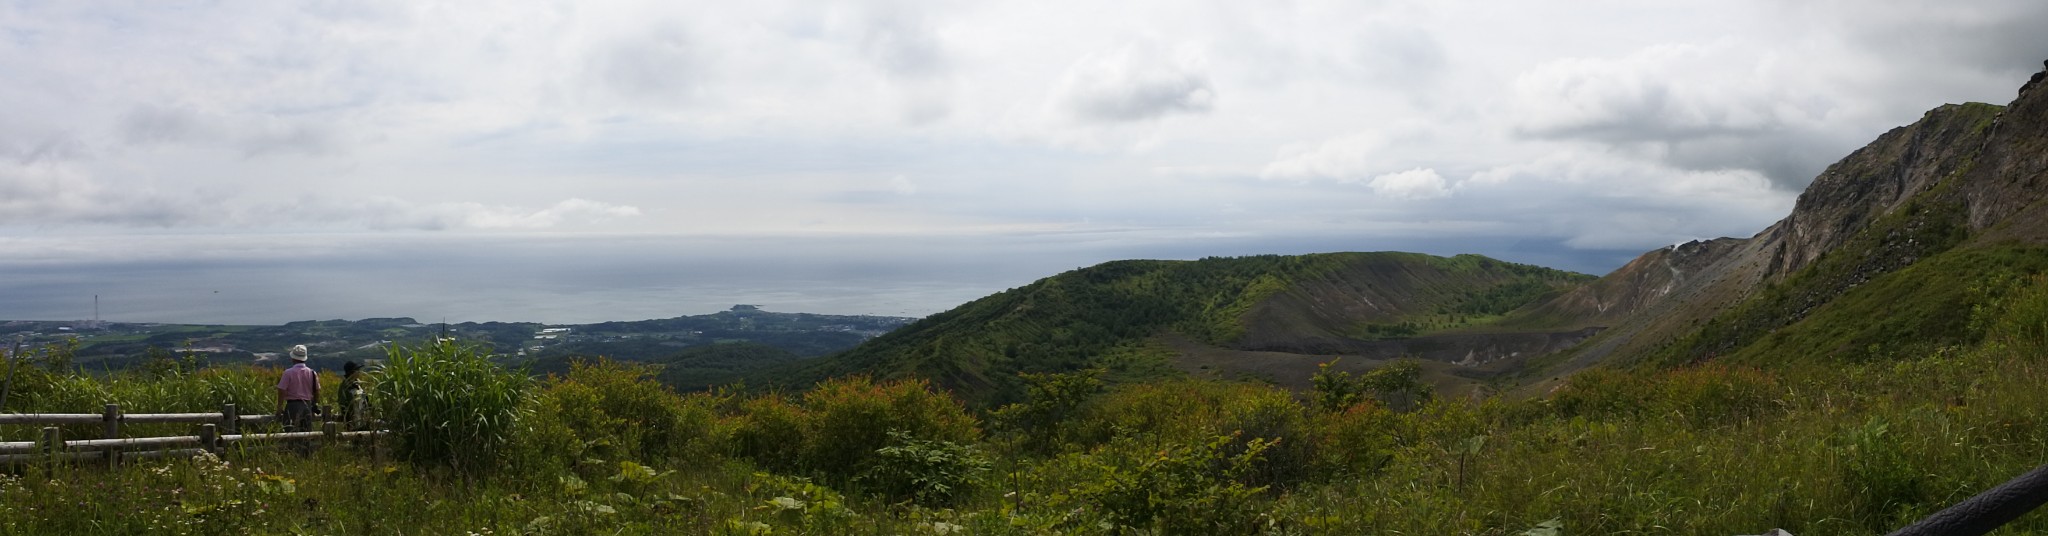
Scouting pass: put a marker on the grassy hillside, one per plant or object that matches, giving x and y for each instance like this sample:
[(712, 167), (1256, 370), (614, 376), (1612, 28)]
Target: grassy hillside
[(1848, 447), (1103, 315), (690, 368)]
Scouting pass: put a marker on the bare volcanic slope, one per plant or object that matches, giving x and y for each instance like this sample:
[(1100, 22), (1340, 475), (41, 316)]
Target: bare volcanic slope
[(1883, 247)]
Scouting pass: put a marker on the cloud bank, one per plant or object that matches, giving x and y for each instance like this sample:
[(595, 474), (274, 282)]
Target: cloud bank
[(1577, 126)]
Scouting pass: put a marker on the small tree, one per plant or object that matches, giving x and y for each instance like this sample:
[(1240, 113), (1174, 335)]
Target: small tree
[(1335, 390), (1398, 385), (1051, 400)]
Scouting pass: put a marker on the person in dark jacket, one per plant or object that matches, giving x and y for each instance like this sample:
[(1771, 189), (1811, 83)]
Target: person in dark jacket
[(350, 399)]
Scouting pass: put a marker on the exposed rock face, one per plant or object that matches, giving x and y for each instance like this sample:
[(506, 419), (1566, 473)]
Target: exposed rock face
[(1638, 287), (1876, 180), (1972, 172)]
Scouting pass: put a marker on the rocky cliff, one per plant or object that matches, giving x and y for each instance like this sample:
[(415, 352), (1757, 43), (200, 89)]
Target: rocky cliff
[(1964, 174)]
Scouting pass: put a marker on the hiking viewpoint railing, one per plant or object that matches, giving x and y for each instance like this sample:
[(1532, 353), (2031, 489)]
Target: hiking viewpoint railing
[(217, 431), (1988, 510)]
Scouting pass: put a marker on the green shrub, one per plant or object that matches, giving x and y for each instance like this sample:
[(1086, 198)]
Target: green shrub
[(1398, 385), (1165, 411), (446, 404), (1602, 393), (1041, 422), (770, 432), (1184, 489), (848, 420), (1356, 441), (1273, 417), (618, 412), (34, 376), (1334, 390), (799, 505), (2022, 317), (932, 473)]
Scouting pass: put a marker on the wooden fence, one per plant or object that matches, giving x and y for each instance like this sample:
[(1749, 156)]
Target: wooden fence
[(217, 431)]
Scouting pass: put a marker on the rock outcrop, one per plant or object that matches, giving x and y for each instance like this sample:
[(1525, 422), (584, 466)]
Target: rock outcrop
[(1962, 173)]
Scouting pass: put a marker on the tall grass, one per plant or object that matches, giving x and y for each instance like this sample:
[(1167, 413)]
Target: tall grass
[(448, 405)]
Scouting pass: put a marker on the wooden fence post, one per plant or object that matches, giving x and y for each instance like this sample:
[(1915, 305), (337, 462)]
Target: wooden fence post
[(209, 437), (113, 427), (53, 443), (231, 419), (333, 431)]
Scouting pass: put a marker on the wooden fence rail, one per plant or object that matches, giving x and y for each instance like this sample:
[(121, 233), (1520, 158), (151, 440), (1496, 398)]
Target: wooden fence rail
[(216, 432)]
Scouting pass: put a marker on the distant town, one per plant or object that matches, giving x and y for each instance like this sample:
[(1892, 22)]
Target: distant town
[(101, 345)]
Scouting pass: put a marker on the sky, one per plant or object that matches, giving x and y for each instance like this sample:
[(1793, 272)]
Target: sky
[(159, 140)]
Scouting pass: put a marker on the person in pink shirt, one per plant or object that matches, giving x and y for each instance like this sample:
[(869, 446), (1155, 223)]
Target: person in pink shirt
[(296, 391)]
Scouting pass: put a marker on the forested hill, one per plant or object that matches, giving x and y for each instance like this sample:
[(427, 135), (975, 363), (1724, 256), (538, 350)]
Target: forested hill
[(1112, 314)]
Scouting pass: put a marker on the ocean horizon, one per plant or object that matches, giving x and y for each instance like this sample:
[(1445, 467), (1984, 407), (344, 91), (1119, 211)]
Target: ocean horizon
[(559, 279)]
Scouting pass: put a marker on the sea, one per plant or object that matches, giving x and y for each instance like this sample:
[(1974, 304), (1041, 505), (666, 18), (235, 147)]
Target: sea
[(572, 279)]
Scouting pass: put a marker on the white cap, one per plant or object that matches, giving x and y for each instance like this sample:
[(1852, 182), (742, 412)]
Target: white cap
[(299, 353)]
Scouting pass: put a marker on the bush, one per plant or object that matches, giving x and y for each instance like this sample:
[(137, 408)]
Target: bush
[(1039, 423), (770, 431), (1184, 489), (932, 473), (35, 376), (2021, 320), (1601, 393), (618, 412), (1165, 411), (1271, 416), (1398, 385), (1356, 441), (848, 420), (447, 405), (1335, 390)]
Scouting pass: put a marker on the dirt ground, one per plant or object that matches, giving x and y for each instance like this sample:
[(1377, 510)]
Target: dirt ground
[(1294, 371)]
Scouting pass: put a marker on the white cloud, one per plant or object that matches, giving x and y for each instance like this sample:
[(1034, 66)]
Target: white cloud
[(1692, 118), (1714, 106), (1665, 93), (42, 193), (1412, 185), (1136, 82), (1386, 148), (1343, 159), (1605, 200)]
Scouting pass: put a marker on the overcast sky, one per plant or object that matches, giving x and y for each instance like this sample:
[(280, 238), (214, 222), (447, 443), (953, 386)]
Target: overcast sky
[(1577, 126)]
